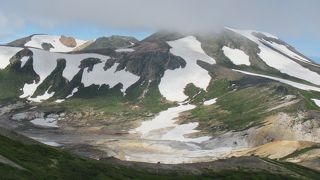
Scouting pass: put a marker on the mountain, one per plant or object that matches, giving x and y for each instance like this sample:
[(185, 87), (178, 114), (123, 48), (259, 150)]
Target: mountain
[(171, 97)]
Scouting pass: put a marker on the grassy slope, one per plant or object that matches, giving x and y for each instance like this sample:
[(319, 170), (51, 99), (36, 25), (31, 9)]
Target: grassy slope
[(246, 106), (44, 162)]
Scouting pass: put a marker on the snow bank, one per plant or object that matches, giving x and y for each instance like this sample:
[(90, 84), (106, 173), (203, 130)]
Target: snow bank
[(210, 102), (6, 53), (164, 127), (291, 83), (281, 62), (237, 56), (174, 81), (317, 101), (38, 40)]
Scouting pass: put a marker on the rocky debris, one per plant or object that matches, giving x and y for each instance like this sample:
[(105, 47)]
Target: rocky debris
[(20, 42), (110, 62), (89, 63), (10, 107), (113, 42), (47, 46), (68, 41), (30, 115), (17, 57), (27, 115)]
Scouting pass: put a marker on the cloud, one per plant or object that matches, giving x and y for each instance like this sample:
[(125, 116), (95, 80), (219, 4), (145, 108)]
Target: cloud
[(292, 17), (8, 24)]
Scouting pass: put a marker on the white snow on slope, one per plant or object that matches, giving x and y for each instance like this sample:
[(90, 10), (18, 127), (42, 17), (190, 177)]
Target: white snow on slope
[(284, 49), (164, 127), (210, 101), (317, 101), (24, 60), (174, 81), (40, 98), (281, 62), (291, 83), (45, 62), (6, 53), (37, 40), (112, 77), (237, 56)]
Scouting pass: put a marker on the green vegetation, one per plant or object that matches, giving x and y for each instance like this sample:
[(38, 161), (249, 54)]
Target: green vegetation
[(301, 151), (112, 102), (308, 96), (237, 110), (11, 83)]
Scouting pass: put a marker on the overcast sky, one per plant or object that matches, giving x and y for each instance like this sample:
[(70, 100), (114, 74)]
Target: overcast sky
[(294, 20)]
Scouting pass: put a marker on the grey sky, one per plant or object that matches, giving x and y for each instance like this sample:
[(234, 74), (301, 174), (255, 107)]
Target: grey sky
[(281, 17)]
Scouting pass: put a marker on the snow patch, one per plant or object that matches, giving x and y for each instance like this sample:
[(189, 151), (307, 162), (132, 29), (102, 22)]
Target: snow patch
[(59, 100), (210, 102), (125, 50), (317, 101), (98, 77), (291, 83), (24, 60), (164, 127), (237, 56), (174, 81)]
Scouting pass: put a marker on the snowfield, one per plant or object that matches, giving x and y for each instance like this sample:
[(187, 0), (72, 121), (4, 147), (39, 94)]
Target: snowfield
[(279, 61), (6, 53), (237, 56), (97, 76), (38, 40), (174, 81), (291, 83)]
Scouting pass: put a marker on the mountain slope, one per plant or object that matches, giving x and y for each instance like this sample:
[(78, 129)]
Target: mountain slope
[(234, 90), (42, 162)]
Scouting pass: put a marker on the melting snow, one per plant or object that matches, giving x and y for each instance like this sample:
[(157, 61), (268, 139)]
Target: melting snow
[(210, 102), (164, 127), (45, 122), (237, 56), (291, 83), (174, 81), (6, 53), (281, 62)]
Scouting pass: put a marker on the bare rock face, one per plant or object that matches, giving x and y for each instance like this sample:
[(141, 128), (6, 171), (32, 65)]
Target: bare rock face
[(68, 41)]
